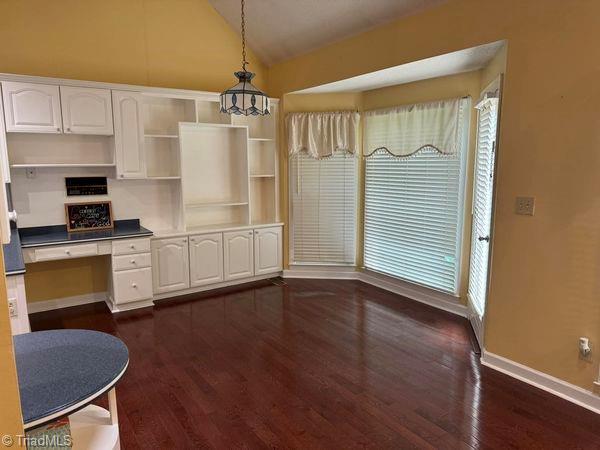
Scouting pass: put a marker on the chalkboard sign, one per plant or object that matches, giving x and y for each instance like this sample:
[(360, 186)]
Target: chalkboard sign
[(88, 216)]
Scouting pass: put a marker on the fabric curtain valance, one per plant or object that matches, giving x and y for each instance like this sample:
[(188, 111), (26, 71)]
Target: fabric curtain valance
[(404, 130), (321, 134)]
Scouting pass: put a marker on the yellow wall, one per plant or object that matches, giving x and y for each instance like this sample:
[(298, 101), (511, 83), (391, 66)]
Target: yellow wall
[(11, 421), (169, 43), (66, 278), (545, 287)]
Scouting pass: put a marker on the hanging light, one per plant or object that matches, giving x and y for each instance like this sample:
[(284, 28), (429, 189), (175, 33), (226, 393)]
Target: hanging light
[(244, 98)]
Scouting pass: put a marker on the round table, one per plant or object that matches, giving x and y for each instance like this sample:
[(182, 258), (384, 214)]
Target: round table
[(62, 371)]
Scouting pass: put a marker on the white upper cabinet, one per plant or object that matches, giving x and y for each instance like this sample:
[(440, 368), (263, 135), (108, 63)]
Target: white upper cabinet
[(238, 249), (31, 108), (129, 134), (267, 250), (206, 259), (86, 110), (3, 147), (170, 265)]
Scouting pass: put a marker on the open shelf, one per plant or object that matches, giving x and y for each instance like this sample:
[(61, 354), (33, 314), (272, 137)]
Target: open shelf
[(214, 204), (263, 198), (263, 176), (262, 157), (163, 114), (208, 112), (262, 139), (162, 158), (59, 150), (162, 136)]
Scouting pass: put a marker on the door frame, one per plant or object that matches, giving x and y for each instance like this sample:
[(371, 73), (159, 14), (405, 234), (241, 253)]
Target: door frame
[(478, 323)]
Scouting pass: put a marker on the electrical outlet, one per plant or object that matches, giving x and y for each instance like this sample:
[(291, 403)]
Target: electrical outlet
[(12, 307), (525, 206)]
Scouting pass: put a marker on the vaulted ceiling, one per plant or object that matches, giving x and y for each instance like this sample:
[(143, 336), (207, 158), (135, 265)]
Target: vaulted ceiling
[(280, 29)]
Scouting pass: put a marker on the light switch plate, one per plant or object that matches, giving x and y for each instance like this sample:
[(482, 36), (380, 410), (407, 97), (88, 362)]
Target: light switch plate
[(525, 206)]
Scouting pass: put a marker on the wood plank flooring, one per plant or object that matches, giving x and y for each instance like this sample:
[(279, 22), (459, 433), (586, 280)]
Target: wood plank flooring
[(317, 364)]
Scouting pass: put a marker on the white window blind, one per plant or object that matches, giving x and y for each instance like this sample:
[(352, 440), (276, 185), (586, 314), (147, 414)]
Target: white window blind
[(413, 213), (482, 202), (323, 195)]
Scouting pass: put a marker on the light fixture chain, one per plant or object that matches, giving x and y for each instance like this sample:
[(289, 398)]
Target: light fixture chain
[(244, 62)]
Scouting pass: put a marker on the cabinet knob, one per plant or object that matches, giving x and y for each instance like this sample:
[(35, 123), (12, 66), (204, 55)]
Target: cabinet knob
[(250, 233), (192, 240), (68, 252), (183, 240), (122, 175), (68, 130), (133, 261), (132, 246), (133, 285), (58, 129)]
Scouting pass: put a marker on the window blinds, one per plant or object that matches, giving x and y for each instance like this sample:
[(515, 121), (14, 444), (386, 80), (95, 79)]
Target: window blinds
[(323, 193), (482, 202), (413, 213)]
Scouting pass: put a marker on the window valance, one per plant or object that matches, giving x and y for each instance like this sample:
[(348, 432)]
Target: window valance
[(321, 134), (404, 130)]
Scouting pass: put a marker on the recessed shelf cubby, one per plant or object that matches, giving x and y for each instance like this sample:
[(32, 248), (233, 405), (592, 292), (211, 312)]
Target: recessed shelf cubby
[(56, 150), (163, 114), (259, 127), (262, 158), (209, 112), (162, 157)]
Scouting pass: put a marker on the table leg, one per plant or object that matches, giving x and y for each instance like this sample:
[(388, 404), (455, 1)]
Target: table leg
[(112, 407)]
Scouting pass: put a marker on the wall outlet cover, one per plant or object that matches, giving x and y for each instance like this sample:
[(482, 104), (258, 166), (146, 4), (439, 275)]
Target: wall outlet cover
[(525, 206)]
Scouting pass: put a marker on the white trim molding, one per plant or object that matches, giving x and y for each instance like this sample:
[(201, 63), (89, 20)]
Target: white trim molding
[(548, 383), (66, 302), (412, 291)]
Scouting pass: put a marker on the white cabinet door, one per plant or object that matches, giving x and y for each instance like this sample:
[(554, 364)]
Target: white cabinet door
[(86, 110), (267, 250), (170, 265), (206, 259), (238, 249), (129, 134), (31, 108), (3, 147)]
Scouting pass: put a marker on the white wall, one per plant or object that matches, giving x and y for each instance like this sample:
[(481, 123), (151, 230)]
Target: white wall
[(40, 201)]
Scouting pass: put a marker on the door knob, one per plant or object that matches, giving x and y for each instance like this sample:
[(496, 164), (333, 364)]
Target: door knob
[(486, 238)]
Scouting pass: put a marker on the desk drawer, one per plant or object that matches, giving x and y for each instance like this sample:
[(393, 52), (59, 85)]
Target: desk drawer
[(132, 285), (126, 262), (129, 246), (65, 252)]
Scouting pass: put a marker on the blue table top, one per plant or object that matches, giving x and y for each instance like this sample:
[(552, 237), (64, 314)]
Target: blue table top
[(58, 234), (13, 256), (60, 371)]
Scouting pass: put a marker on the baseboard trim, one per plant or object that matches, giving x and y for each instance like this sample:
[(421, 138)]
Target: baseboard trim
[(66, 302), (417, 293), (548, 383), (322, 273)]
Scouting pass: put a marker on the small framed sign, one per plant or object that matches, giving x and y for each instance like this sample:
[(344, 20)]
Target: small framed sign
[(89, 216)]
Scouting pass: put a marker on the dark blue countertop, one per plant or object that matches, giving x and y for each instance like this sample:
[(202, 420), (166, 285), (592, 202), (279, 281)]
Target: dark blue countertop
[(57, 234), (61, 371), (13, 256)]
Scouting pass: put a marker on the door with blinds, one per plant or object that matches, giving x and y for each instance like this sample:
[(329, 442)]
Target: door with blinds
[(483, 195)]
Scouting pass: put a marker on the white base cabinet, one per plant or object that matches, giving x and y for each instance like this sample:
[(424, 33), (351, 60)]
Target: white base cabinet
[(268, 256), (206, 259), (170, 264), (239, 254), (131, 271)]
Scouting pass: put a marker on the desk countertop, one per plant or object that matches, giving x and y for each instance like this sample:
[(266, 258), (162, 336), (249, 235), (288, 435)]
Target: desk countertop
[(61, 371), (58, 234), (13, 256)]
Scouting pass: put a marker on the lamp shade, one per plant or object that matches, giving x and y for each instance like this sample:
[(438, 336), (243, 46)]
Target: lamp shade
[(244, 98)]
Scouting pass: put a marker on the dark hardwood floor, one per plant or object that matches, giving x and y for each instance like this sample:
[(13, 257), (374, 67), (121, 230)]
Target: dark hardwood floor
[(317, 364)]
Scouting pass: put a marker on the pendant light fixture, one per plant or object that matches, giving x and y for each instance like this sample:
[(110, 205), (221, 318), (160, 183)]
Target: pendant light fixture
[(244, 98)]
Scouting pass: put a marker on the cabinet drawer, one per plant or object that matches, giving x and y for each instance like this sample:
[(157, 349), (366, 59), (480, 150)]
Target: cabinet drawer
[(65, 252), (126, 262), (132, 285), (129, 246)]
